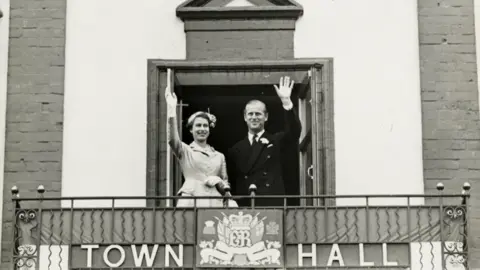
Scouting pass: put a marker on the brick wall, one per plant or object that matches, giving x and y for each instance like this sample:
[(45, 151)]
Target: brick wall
[(239, 39), (451, 145), (33, 150), (240, 45)]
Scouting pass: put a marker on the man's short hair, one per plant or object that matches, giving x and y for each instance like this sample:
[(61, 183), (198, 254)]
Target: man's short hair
[(255, 101)]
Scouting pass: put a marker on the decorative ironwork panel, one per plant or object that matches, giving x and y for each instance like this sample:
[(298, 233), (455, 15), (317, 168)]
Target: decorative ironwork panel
[(288, 237)]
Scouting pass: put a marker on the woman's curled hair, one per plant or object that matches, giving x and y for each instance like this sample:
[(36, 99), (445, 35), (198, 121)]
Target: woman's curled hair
[(205, 115)]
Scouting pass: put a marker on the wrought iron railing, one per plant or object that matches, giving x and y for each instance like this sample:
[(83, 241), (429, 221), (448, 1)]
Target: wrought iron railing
[(356, 232)]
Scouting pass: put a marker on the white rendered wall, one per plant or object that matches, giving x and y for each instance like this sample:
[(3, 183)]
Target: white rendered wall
[(4, 24), (374, 43), (377, 90), (108, 44)]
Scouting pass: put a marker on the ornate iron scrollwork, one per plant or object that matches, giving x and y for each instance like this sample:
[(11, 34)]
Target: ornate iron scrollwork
[(454, 212), (454, 237), (26, 226), (26, 257), (26, 215), (454, 255)]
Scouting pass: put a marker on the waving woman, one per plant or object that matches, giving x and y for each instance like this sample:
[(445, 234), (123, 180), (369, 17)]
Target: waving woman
[(203, 167)]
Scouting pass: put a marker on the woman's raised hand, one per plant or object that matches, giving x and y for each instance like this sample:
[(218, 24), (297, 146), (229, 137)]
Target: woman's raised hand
[(170, 97)]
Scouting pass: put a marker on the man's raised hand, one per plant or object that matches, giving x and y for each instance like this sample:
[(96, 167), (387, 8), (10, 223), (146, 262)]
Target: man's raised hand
[(284, 88)]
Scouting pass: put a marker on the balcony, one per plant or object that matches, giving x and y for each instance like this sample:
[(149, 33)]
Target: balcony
[(370, 234)]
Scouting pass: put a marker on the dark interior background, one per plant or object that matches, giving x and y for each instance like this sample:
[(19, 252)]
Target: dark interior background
[(227, 104)]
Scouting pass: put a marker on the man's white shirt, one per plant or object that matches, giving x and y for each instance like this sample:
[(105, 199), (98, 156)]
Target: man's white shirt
[(250, 136)]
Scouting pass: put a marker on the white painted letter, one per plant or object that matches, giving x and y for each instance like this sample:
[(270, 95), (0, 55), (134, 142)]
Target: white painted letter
[(107, 251), (178, 259), (89, 253), (150, 257), (385, 256), (302, 255), (335, 255), (361, 253)]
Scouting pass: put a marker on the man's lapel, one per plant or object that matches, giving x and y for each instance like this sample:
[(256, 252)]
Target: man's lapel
[(256, 151)]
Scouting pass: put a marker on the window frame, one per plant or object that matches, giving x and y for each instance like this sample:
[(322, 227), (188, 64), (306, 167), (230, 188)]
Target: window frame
[(191, 73)]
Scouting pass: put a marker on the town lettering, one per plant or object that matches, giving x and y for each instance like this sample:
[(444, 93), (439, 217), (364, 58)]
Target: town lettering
[(141, 255), (335, 257), (299, 255)]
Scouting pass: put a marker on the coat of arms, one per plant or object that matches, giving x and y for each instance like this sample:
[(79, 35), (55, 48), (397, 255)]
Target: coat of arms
[(240, 241)]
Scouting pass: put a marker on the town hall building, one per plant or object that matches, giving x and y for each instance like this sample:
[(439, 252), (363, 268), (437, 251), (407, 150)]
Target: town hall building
[(385, 172)]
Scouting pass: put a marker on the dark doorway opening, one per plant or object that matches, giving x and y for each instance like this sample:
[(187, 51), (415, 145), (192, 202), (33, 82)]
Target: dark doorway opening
[(227, 103)]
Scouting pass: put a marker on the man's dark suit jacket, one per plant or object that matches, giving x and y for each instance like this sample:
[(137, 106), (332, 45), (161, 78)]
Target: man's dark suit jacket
[(261, 164)]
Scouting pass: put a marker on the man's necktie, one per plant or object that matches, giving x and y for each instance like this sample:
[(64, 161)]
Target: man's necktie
[(254, 140)]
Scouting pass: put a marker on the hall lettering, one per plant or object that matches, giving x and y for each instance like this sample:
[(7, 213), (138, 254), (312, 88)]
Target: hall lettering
[(138, 256), (335, 255)]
